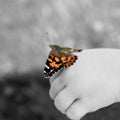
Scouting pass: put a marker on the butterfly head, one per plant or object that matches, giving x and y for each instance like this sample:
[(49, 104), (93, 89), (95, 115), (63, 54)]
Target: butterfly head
[(55, 47)]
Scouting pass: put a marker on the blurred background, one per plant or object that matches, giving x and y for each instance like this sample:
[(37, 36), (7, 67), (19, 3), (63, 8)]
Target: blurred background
[(24, 93)]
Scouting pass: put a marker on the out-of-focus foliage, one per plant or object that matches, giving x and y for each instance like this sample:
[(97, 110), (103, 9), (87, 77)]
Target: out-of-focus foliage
[(23, 28), (81, 24), (25, 97)]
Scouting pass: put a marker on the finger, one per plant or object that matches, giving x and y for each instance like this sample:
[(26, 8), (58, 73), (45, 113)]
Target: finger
[(77, 110), (56, 75), (56, 87), (63, 100)]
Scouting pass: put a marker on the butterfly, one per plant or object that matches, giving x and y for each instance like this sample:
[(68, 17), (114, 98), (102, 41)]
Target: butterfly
[(59, 58)]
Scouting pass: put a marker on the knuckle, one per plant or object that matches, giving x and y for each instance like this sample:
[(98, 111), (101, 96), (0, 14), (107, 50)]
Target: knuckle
[(60, 103), (73, 114)]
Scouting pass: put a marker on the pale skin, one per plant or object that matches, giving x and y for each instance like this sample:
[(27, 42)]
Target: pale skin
[(93, 82)]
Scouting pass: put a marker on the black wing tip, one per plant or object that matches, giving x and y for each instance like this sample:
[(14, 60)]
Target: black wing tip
[(47, 76), (80, 50), (76, 57)]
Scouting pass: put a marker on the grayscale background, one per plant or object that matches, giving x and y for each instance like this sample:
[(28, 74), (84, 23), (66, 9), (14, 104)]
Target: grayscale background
[(24, 93)]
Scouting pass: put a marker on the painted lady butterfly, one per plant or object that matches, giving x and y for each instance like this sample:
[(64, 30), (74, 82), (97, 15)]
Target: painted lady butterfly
[(59, 58)]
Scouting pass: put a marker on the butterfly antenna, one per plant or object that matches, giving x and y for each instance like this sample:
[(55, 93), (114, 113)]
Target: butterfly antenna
[(46, 37), (47, 34), (50, 38)]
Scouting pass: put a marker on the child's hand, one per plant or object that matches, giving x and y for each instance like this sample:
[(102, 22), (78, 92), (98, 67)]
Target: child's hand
[(91, 83)]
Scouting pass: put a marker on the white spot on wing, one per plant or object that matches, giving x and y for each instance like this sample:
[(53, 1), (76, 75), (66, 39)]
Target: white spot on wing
[(52, 70), (47, 66)]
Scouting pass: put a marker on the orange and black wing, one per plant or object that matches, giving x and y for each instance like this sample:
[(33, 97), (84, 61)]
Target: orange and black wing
[(68, 60), (53, 64)]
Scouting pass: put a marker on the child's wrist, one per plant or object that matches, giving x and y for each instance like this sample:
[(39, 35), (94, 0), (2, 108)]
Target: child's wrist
[(116, 62)]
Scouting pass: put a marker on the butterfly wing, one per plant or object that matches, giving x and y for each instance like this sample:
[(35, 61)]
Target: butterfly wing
[(58, 60), (68, 60), (53, 64)]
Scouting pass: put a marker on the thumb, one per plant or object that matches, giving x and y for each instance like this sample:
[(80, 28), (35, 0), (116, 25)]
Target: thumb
[(77, 110)]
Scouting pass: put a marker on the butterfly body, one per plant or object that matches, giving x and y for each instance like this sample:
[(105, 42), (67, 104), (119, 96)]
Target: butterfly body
[(59, 58)]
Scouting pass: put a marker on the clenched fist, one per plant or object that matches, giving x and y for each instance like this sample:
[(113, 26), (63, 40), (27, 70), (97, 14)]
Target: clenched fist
[(91, 83)]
